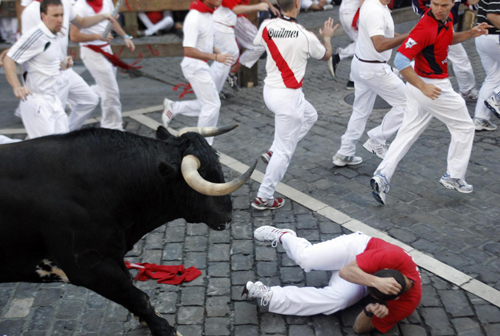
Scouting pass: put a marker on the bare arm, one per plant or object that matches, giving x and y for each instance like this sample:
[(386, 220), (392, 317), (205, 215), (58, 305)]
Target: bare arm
[(216, 56), (11, 75), (119, 30), (273, 9), (428, 90), (476, 31), (327, 34), (353, 273), (382, 43), (494, 19), (363, 323), (90, 21), (242, 9), (76, 35)]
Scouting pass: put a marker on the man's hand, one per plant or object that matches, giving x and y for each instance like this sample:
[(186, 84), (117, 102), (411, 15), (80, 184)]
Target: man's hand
[(108, 39), (377, 309), (2, 56), (480, 29), (431, 91), (67, 63), (129, 44), (224, 59), (328, 29), (22, 92), (275, 11), (388, 286)]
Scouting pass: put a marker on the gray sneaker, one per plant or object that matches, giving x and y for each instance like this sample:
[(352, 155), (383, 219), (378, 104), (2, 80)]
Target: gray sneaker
[(376, 148), (493, 104), (257, 290), (455, 183), (341, 161), (484, 125), (380, 187), (470, 95)]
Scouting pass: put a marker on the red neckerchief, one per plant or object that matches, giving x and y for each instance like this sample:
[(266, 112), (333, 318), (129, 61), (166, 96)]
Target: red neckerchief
[(201, 7), (95, 4), (173, 275)]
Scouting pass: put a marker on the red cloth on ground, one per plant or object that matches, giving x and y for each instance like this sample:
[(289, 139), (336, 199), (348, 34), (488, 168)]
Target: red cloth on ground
[(201, 7), (172, 275), (95, 4), (114, 59), (155, 17), (186, 89)]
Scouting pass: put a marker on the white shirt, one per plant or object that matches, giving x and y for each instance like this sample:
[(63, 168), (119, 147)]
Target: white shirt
[(224, 19), (349, 6), (288, 47), (38, 50), (83, 9), (198, 34), (31, 18), (25, 3), (374, 19)]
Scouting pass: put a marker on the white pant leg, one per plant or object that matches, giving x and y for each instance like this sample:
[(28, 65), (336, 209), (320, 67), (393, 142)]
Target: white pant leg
[(226, 43), (166, 23), (462, 67), (207, 96), (5, 140), (289, 107), (245, 33), (345, 19), (488, 48), (145, 20), (104, 74), (41, 117), (83, 99)]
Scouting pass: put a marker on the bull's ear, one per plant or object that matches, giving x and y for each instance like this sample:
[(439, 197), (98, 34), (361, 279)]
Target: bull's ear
[(163, 134), (167, 170)]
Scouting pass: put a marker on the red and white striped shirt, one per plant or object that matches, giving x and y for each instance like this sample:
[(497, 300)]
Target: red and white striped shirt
[(288, 47)]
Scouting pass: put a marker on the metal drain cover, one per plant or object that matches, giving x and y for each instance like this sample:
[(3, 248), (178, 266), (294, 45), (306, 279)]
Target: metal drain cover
[(379, 102)]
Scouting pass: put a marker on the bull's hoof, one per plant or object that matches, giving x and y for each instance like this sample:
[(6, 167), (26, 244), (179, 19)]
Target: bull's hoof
[(141, 321)]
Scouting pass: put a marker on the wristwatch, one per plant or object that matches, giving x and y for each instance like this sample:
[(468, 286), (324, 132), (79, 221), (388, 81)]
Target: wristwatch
[(128, 37), (367, 313)]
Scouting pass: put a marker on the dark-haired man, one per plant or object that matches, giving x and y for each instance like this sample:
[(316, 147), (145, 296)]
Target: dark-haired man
[(360, 265)]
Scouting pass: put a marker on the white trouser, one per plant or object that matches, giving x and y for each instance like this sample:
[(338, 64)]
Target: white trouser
[(346, 21), (72, 88), (166, 23), (4, 140), (104, 74), (293, 118), (450, 109), (206, 106), (488, 48), (226, 43), (330, 255), (43, 116), (462, 67), (8, 29), (245, 33), (370, 80)]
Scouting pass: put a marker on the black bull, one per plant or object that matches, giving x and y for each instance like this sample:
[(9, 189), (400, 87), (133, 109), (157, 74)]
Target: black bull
[(72, 205)]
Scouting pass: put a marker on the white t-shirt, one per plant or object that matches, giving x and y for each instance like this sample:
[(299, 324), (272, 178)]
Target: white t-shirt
[(83, 9), (25, 3), (305, 4), (198, 33), (224, 19), (288, 47), (374, 19), (31, 18), (349, 6), (38, 52)]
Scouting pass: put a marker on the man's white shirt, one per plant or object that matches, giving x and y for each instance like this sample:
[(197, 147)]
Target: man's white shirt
[(288, 46), (374, 19), (198, 34), (83, 9), (348, 6), (224, 19)]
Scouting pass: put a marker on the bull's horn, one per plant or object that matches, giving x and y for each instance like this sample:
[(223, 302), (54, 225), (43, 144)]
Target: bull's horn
[(207, 131), (189, 168)]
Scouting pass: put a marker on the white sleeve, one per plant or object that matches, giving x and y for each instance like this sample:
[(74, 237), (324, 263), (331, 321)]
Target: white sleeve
[(25, 3), (79, 8), (70, 9), (30, 18), (374, 23), (305, 4), (258, 40), (316, 49), (27, 47), (191, 31)]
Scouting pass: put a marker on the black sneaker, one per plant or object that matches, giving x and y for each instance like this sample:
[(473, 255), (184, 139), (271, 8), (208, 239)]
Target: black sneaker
[(333, 62), (350, 85), (232, 80)]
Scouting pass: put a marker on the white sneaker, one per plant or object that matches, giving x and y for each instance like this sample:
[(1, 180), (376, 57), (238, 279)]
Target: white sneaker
[(484, 125), (272, 234), (380, 187), (167, 114), (493, 104), (455, 183), (470, 95), (376, 148), (257, 290), (341, 161), (327, 7)]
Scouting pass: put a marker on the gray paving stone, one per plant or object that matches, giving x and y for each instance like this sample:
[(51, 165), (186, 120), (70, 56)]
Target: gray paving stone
[(217, 326), (218, 252), (196, 259), (70, 309), (326, 325), (195, 244), (67, 327), (246, 331), (412, 330), (304, 330), (165, 302), (41, 319), (455, 303), (91, 321), (218, 286), (242, 247), (272, 324), (240, 262), (173, 251), (263, 253), (190, 330), (218, 306), (488, 314), (219, 237), (437, 320), (116, 313), (190, 315), (191, 296), (198, 229), (218, 269), (466, 327), (492, 329), (291, 274), (245, 313), (47, 296), (242, 277)]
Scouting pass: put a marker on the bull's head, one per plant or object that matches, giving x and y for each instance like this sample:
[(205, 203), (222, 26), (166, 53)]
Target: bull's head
[(201, 171)]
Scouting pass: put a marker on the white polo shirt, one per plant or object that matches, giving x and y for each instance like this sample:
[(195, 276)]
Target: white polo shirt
[(83, 9), (31, 18), (374, 19), (349, 6), (224, 17), (198, 34), (39, 52), (288, 47)]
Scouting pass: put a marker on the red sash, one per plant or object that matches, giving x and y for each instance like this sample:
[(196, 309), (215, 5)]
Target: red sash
[(355, 20), (173, 275), (113, 58), (201, 7)]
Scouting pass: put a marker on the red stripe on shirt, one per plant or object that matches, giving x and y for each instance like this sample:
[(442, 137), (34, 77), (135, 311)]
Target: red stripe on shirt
[(286, 73)]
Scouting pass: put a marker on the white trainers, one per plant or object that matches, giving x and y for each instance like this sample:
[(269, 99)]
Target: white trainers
[(484, 125), (470, 95), (328, 7), (167, 114), (272, 234), (455, 183), (341, 161), (493, 104), (257, 290), (376, 148), (380, 187)]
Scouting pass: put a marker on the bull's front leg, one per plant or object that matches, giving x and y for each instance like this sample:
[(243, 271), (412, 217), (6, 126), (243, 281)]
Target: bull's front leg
[(113, 281)]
